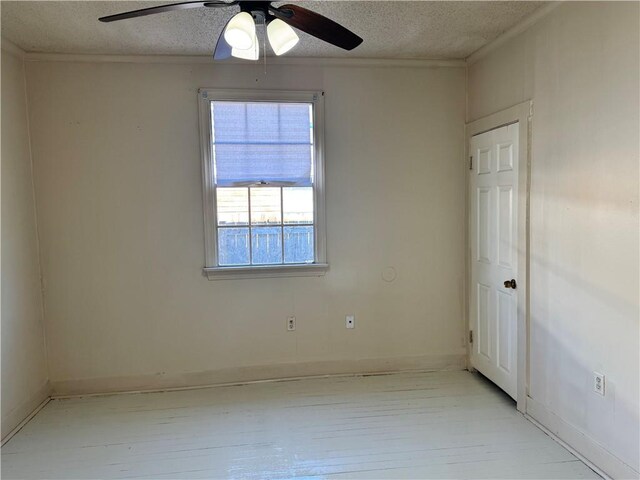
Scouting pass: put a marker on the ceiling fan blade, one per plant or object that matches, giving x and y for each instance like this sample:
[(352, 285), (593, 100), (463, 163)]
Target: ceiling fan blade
[(164, 8), (317, 25), (223, 49)]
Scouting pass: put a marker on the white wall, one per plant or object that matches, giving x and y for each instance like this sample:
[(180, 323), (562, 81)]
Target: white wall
[(118, 187), (24, 370), (580, 65)]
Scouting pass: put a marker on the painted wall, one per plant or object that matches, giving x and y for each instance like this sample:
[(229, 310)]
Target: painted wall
[(118, 186), (24, 369), (580, 66)]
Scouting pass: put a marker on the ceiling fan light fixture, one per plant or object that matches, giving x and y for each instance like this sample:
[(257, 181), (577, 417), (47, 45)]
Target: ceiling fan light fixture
[(241, 32), (251, 53), (281, 37)]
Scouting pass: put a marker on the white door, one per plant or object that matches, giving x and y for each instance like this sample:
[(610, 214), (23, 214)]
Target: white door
[(493, 302)]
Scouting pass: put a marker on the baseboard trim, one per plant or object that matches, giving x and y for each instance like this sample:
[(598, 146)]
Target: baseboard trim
[(597, 457), (20, 416), (253, 374)]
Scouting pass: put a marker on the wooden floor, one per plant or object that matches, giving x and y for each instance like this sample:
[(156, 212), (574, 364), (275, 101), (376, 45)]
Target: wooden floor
[(414, 425)]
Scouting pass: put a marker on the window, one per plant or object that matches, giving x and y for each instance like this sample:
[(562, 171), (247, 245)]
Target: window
[(263, 183)]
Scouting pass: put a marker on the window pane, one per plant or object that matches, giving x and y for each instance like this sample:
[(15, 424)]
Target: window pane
[(297, 203), (266, 245), (233, 246), (298, 245), (233, 206), (265, 206)]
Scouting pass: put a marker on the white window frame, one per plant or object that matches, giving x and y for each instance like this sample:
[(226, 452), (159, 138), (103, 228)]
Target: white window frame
[(212, 270)]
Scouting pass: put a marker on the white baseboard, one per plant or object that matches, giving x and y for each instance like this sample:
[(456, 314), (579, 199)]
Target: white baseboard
[(579, 443), (17, 418), (162, 382)]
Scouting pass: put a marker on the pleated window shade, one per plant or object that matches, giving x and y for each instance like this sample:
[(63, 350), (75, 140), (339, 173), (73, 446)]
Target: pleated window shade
[(268, 142)]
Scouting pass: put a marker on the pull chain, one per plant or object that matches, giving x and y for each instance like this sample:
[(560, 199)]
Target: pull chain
[(264, 43)]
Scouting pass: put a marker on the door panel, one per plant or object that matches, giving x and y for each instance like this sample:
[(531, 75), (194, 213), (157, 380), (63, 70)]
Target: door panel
[(504, 330), (493, 237), (505, 157), (484, 323), (484, 161), (484, 220), (505, 227)]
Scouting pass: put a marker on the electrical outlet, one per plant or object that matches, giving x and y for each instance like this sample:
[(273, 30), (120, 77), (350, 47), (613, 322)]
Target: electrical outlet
[(291, 323), (350, 321), (598, 383)]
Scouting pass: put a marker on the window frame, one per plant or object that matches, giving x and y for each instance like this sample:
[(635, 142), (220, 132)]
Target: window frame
[(212, 270)]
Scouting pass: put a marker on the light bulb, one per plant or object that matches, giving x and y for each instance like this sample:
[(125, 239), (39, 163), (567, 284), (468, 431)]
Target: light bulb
[(281, 36), (249, 53), (241, 31)]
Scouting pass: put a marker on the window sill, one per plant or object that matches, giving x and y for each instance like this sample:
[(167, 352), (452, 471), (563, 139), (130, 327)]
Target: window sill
[(266, 271)]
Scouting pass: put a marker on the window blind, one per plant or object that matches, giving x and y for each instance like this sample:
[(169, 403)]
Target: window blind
[(259, 141)]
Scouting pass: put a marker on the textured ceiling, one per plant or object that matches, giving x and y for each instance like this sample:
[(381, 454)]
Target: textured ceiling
[(391, 29)]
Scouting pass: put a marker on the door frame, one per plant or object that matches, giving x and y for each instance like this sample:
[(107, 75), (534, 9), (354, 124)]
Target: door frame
[(522, 113)]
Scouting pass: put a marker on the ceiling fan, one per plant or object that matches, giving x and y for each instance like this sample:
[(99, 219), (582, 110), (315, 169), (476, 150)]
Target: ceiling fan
[(238, 38)]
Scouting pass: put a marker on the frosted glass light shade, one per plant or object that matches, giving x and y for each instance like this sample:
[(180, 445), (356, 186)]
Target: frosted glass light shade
[(250, 53), (241, 31), (281, 36)]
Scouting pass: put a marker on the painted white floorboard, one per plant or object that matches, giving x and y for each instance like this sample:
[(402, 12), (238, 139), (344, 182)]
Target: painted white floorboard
[(411, 425)]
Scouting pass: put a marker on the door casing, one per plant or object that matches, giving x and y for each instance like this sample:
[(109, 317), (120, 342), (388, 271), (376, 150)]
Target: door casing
[(522, 113)]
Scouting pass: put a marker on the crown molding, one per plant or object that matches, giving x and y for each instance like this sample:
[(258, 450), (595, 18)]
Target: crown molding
[(12, 48), (202, 59), (514, 31)]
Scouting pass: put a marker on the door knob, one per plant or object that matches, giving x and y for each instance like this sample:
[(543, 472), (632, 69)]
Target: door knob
[(510, 283)]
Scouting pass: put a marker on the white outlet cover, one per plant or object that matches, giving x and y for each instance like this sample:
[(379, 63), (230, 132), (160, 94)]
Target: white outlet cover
[(291, 323), (598, 383), (350, 321)]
